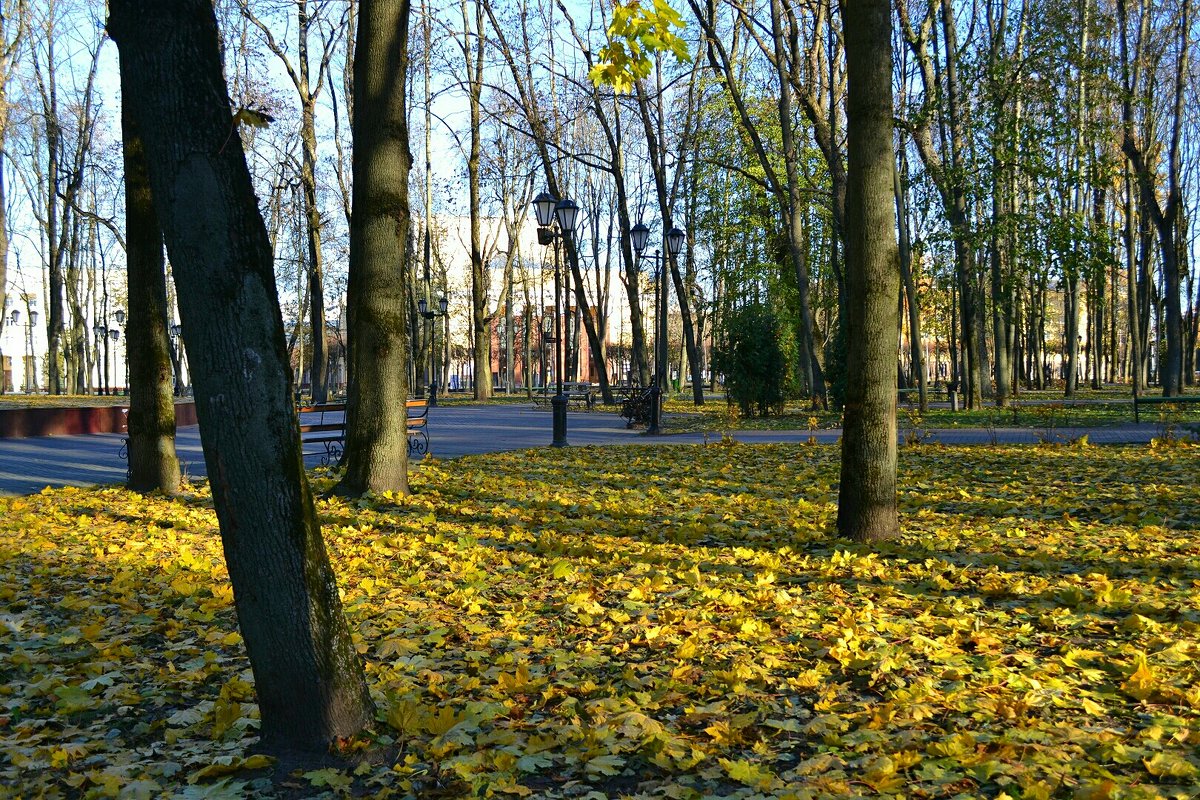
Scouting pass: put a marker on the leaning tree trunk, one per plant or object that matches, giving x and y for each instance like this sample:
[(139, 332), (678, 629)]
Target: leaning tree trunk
[(867, 497), (309, 681), (376, 442), (153, 465)]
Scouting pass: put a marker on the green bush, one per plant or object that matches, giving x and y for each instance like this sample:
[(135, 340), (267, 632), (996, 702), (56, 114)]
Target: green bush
[(835, 369), (756, 352)]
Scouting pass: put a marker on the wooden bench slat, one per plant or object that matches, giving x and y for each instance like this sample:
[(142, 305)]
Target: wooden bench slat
[(417, 427)]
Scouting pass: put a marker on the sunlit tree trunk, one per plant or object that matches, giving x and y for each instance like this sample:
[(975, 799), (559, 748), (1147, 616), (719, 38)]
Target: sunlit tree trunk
[(376, 441), (153, 465), (867, 494)]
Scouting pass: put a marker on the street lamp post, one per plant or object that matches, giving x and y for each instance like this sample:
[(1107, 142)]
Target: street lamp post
[(30, 371), (101, 333), (639, 235), (556, 221), (423, 309), (115, 334), (175, 331)]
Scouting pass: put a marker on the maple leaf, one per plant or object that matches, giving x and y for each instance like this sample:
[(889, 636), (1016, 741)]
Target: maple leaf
[(253, 117)]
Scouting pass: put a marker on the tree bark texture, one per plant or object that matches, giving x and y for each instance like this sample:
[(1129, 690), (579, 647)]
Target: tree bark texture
[(308, 678), (867, 495), (376, 441), (153, 465)]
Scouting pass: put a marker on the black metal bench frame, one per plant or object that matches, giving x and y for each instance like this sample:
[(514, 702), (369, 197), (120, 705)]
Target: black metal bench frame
[(637, 407), (582, 400), (1159, 400)]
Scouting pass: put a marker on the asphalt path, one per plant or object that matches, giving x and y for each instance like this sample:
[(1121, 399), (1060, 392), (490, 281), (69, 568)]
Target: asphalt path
[(29, 465)]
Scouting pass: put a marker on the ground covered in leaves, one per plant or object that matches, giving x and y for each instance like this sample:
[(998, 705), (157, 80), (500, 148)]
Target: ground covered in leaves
[(1051, 419), (656, 622)]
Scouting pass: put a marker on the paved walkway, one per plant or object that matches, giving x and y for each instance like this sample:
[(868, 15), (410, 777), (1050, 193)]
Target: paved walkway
[(29, 465)]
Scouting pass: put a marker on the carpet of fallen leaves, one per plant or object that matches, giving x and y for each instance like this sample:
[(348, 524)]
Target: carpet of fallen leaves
[(647, 621)]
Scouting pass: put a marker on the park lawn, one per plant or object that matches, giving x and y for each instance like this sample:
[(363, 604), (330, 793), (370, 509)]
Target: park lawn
[(644, 621), (10, 401)]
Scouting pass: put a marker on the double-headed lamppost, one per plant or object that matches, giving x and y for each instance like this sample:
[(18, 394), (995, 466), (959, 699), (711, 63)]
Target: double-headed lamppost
[(115, 334), (423, 309), (639, 235), (550, 210), (30, 371)]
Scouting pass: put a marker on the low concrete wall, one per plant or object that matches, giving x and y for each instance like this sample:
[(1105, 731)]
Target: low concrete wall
[(21, 423)]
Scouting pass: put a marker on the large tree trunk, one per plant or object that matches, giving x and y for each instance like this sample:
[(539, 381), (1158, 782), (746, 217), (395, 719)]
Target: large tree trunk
[(867, 495), (376, 441), (153, 465), (309, 681)]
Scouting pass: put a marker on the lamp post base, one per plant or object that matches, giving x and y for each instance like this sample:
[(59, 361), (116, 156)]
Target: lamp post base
[(654, 428), (558, 406)]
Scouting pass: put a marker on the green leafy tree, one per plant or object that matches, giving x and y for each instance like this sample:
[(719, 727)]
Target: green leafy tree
[(756, 352)]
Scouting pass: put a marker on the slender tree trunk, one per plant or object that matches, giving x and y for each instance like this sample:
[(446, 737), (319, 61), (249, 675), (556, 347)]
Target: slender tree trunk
[(794, 210), (6, 66), (481, 320), (916, 353), (867, 495), (54, 299), (1070, 332), (308, 679), (1002, 305), (153, 465)]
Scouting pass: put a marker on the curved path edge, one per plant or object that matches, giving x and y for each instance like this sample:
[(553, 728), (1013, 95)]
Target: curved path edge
[(29, 465)]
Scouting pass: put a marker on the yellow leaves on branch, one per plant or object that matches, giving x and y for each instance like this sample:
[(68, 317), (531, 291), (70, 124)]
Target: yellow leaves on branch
[(639, 31), (253, 117)]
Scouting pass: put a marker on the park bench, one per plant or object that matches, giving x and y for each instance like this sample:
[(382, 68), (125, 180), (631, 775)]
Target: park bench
[(417, 426), (323, 431), (637, 407), (579, 395), (1159, 400), (328, 429), (911, 395)]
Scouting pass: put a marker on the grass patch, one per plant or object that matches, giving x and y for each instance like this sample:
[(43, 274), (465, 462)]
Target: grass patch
[(9, 401), (645, 622)]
